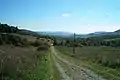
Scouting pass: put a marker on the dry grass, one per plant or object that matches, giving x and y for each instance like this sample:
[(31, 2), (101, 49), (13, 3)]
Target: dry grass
[(17, 62)]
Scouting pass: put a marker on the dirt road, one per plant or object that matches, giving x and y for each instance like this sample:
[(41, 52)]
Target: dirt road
[(70, 71)]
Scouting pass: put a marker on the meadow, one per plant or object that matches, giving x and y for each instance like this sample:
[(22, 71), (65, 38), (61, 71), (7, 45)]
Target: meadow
[(103, 60), (20, 63)]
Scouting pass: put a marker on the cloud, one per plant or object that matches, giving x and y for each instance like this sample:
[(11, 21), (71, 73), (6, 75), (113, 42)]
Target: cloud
[(66, 15)]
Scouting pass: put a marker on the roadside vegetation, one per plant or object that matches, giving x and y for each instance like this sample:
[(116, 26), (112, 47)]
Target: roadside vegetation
[(92, 41), (103, 60), (24, 55), (19, 63), (100, 54)]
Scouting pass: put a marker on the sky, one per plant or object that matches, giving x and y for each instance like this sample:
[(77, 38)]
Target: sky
[(77, 16)]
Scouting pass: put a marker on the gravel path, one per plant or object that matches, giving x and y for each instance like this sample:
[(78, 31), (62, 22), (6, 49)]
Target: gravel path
[(64, 76), (71, 71)]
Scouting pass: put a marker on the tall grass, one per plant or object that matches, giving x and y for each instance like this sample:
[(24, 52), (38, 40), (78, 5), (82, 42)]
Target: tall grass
[(18, 63)]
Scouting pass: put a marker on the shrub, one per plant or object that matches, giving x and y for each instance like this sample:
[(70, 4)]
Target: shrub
[(36, 43), (43, 47), (1, 41)]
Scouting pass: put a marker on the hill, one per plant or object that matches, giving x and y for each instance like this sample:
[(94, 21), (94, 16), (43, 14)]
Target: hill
[(5, 28), (27, 32), (22, 54), (118, 31), (115, 34)]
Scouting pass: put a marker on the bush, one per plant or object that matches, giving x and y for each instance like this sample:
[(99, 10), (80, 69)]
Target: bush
[(43, 47), (36, 43), (1, 41), (13, 39)]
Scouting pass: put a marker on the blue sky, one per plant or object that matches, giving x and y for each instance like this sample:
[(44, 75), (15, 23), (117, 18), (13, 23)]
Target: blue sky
[(80, 16)]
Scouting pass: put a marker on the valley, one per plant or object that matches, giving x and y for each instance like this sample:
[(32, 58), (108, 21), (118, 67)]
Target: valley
[(27, 55)]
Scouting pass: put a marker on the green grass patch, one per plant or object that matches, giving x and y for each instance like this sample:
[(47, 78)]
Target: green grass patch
[(54, 69), (42, 71), (46, 69)]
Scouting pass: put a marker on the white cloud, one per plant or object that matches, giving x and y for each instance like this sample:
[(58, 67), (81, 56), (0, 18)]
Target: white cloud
[(66, 15)]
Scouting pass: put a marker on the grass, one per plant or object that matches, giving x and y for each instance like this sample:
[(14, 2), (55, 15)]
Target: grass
[(24, 57), (42, 71), (54, 70), (23, 63), (94, 58), (47, 69)]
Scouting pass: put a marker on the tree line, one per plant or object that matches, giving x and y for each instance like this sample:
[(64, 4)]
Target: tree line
[(5, 28), (80, 42)]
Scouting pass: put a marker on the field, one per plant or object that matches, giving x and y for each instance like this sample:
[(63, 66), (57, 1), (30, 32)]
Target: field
[(103, 60), (22, 63)]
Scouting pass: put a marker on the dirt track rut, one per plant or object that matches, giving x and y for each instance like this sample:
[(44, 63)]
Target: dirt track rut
[(72, 71)]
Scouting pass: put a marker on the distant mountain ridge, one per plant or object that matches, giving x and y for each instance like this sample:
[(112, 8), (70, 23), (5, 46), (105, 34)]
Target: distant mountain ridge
[(103, 34), (56, 33), (118, 31), (95, 34)]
